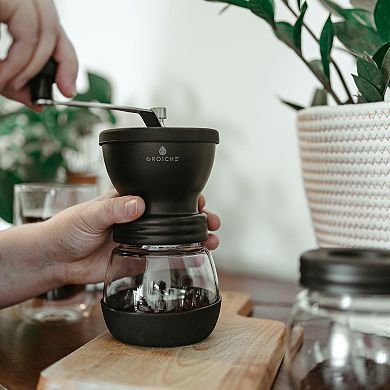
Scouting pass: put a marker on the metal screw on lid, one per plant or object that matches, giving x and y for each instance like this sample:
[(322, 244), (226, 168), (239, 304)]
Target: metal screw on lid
[(161, 113)]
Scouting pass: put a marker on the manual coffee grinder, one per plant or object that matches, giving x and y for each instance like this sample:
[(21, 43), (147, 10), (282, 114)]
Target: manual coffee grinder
[(161, 287)]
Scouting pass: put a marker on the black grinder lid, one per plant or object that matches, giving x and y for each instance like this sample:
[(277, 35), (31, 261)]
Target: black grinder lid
[(346, 270), (159, 134)]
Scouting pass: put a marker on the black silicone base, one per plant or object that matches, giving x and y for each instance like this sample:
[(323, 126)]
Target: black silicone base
[(162, 330)]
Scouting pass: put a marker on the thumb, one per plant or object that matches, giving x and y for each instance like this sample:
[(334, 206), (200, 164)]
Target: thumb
[(99, 215)]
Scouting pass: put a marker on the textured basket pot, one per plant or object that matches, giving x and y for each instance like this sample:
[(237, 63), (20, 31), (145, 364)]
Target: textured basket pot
[(345, 157)]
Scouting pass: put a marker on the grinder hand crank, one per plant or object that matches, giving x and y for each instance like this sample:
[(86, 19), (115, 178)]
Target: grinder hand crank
[(41, 87)]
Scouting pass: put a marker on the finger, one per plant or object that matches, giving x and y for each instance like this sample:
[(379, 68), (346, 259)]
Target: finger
[(201, 202), (213, 221), (65, 56), (22, 96), (212, 242), (49, 28), (22, 21), (99, 216)]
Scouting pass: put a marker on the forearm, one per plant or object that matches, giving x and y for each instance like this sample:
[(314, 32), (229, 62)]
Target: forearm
[(26, 267)]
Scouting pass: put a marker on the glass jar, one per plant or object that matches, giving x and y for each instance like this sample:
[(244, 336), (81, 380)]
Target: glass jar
[(37, 202), (339, 328), (161, 295)]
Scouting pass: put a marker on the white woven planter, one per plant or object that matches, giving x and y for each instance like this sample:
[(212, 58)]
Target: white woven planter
[(345, 156)]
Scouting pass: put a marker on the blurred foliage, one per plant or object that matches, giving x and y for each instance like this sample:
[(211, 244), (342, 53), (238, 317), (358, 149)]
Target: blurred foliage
[(32, 145), (364, 31)]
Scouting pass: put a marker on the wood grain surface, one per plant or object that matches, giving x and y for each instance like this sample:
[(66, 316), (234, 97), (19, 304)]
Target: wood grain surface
[(26, 349), (241, 353)]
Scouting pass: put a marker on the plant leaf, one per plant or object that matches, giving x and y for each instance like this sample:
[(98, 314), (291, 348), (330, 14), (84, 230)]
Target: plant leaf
[(292, 105), (332, 7), (297, 29), (320, 97), (367, 57), (318, 70), (367, 5), (357, 37), (385, 68), (264, 9), (382, 19), (99, 90), (370, 72), (299, 4), (360, 99), (284, 32), (360, 16), (368, 91), (326, 42), (380, 54), (348, 51)]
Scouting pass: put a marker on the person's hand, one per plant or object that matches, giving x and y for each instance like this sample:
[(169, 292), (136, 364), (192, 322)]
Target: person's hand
[(81, 236), (213, 223), (37, 37)]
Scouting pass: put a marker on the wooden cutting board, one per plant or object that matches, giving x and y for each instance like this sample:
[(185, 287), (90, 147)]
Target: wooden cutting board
[(241, 353)]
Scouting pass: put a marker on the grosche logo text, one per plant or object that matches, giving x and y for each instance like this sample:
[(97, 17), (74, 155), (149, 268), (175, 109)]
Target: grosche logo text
[(162, 157)]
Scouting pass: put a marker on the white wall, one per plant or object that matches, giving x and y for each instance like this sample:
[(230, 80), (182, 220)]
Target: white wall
[(222, 71)]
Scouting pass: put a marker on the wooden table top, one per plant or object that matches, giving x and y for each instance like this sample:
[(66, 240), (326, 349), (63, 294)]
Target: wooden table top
[(26, 349)]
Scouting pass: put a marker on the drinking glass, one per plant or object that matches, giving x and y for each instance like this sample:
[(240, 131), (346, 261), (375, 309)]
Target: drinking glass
[(37, 202)]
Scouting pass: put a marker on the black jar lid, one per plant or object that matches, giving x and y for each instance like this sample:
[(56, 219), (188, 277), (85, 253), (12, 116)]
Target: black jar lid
[(346, 270), (159, 134)]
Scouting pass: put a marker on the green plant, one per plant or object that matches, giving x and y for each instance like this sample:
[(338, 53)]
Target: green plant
[(32, 145), (363, 30)]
